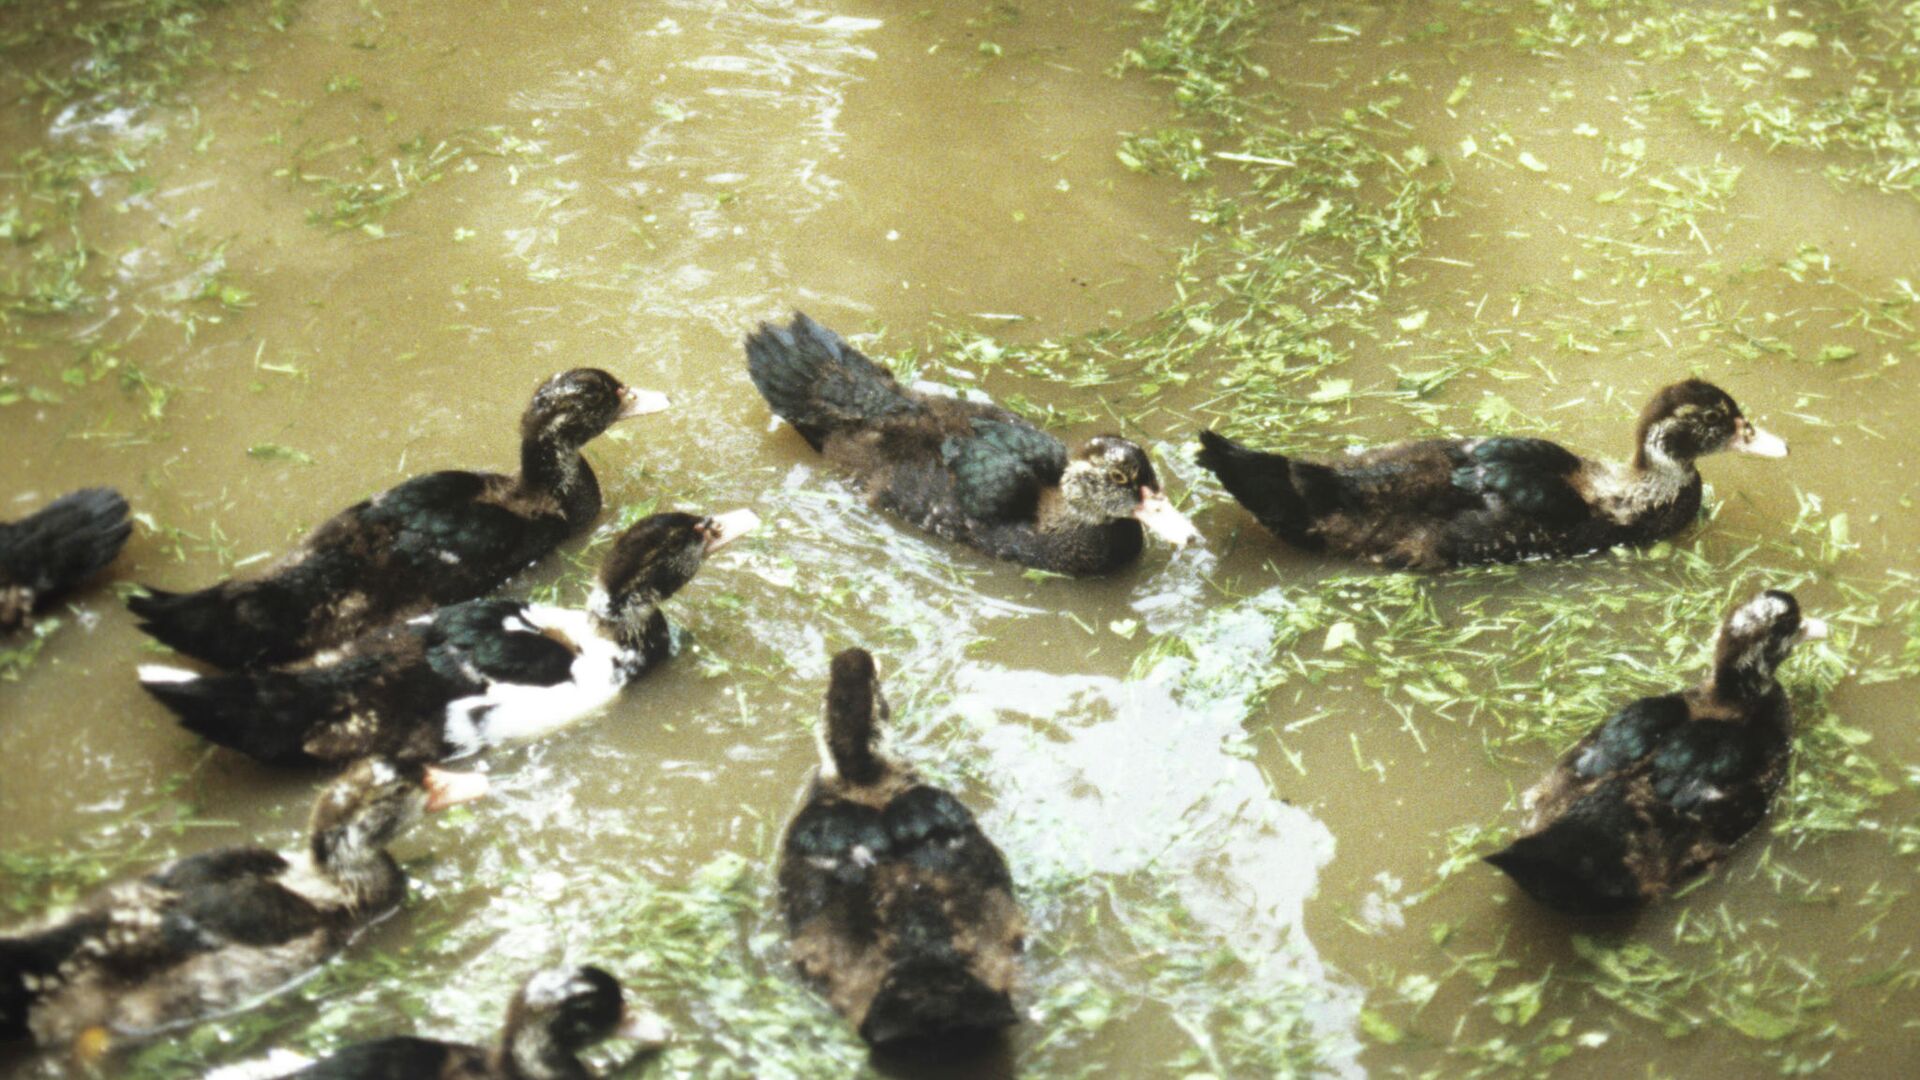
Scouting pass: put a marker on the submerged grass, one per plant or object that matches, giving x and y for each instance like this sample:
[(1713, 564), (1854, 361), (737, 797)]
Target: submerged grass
[(105, 80)]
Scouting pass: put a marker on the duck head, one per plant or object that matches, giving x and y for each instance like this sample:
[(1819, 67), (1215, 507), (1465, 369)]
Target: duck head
[(1109, 478), (376, 800), (1756, 638), (561, 1011), (1695, 418), (653, 559), (571, 409), (855, 710)]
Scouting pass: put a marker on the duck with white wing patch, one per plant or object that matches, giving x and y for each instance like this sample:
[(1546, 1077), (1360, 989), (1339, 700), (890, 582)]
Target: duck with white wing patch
[(466, 677)]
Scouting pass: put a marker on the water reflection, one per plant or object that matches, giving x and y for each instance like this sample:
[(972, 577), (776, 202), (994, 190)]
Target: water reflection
[(1103, 776)]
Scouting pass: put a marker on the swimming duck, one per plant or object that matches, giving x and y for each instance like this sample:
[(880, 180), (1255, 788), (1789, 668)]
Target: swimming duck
[(466, 677), (1664, 788), (214, 931), (898, 906), (436, 539), (56, 549), (963, 470), (558, 1013), (1435, 503)]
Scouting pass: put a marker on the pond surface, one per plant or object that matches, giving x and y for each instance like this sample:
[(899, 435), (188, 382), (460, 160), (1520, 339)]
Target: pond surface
[(266, 258)]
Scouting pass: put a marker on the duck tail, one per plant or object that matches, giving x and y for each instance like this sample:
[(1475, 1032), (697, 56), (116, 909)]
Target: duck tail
[(39, 955), (1572, 868), (817, 382), (68, 541), (935, 1002), (221, 624), (1285, 495), (266, 715), (15, 998)]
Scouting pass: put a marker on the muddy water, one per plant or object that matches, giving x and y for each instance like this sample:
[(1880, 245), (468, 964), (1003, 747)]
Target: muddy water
[(630, 186)]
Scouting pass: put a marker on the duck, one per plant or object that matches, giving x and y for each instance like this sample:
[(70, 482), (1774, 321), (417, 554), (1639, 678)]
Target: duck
[(898, 907), (466, 677), (961, 468), (213, 932), (56, 549), (557, 1013), (1664, 788), (436, 539), (1432, 504)]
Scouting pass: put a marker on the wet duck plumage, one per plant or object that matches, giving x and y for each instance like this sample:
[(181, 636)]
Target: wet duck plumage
[(963, 470), (465, 677), (56, 549), (899, 908), (1436, 503), (436, 539), (1667, 785), (214, 931), (557, 1014)]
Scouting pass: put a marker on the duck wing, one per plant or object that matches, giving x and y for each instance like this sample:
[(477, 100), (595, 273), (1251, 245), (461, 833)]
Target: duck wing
[(826, 872), (1721, 774), (449, 533), (232, 897), (1000, 469), (952, 928), (496, 641), (1532, 478)]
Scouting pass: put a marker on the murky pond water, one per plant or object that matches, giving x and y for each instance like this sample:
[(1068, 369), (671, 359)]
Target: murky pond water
[(331, 244)]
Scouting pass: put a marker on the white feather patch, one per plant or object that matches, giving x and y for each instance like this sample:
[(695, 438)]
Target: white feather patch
[(276, 1064), (511, 712)]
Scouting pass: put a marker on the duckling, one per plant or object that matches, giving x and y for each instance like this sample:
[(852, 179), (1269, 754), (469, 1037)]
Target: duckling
[(465, 677), (57, 548), (436, 539), (558, 1013), (1664, 788), (1436, 503), (963, 470), (217, 931), (899, 908)]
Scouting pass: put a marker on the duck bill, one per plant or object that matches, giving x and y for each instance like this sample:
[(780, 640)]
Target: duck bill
[(1749, 439), (1162, 520), (641, 402), (1811, 630), (643, 1027), (724, 529), (447, 788)]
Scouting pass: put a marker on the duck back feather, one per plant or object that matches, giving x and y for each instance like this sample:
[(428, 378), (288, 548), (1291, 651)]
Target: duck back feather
[(433, 540), (905, 913)]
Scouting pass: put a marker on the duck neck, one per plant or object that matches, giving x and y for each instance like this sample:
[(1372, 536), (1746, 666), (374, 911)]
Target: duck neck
[(530, 1052), (550, 468), (1073, 504), (364, 871), (850, 746), (1654, 483), (1743, 675), (638, 627)]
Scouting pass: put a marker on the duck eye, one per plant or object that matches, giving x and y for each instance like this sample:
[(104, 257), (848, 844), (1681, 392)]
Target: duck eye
[(1116, 477)]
